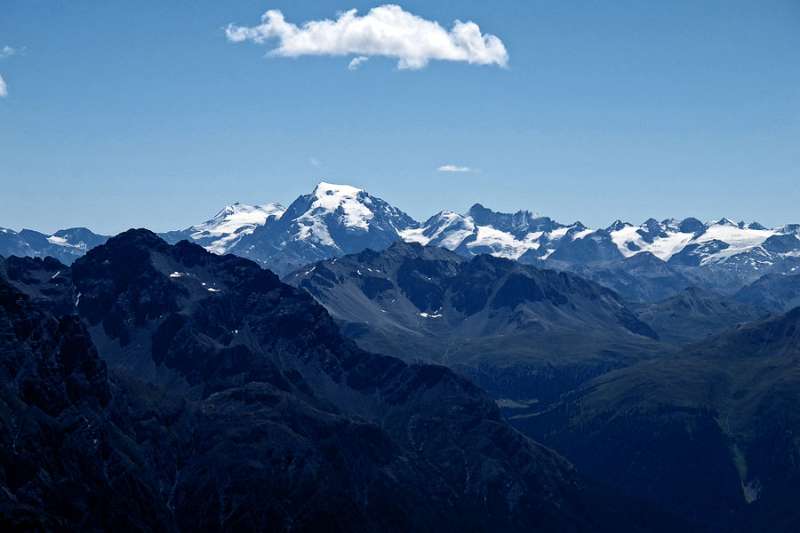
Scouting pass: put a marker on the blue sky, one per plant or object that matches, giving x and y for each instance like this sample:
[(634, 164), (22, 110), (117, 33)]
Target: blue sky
[(143, 113)]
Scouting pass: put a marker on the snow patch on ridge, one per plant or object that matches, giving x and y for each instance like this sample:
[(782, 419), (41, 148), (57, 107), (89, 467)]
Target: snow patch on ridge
[(61, 241), (504, 244), (739, 240), (415, 235), (581, 234), (558, 233)]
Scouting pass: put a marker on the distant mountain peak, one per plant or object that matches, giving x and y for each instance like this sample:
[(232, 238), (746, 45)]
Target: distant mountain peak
[(618, 225), (220, 233), (724, 221), (332, 220), (273, 208), (328, 189), (351, 204), (135, 238)]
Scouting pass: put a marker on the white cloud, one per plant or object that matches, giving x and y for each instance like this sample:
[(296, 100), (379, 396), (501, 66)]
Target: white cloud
[(5, 52), (453, 168), (387, 31), (356, 62)]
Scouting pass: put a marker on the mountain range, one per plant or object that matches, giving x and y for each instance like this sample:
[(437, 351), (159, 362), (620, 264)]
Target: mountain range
[(521, 332), (66, 245), (400, 375), (647, 262), (165, 388), (686, 402)]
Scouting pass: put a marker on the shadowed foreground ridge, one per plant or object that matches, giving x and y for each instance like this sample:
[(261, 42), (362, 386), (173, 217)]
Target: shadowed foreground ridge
[(710, 433), (198, 392)]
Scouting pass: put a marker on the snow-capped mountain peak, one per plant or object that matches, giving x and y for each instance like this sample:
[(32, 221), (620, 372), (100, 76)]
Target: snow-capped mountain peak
[(333, 215), (330, 221), (238, 214), (447, 229), (618, 225), (738, 239), (481, 230), (325, 188), (660, 240), (350, 204), (724, 221), (220, 233), (711, 242)]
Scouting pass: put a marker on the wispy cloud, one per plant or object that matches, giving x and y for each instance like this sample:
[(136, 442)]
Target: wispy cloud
[(314, 162), (356, 62), (5, 51), (387, 31), (453, 168)]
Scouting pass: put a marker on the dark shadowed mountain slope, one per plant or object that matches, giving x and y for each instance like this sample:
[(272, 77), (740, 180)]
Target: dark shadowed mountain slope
[(711, 434), (695, 314), (521, 332), (776, 292), (232, 402), (47, 281), (640, 278), (64, 464), (596, 247)]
